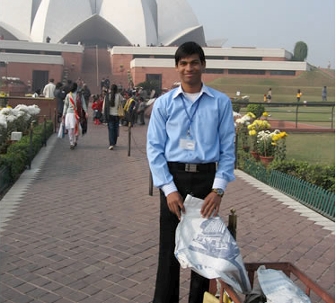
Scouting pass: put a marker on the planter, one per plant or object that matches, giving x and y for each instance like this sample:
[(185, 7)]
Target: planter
[(255, 155), (266, 160)]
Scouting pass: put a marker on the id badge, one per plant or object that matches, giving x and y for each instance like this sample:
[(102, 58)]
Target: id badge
[(187, 144)]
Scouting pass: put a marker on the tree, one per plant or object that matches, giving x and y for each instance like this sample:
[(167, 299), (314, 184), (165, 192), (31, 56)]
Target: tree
[(300, 51)]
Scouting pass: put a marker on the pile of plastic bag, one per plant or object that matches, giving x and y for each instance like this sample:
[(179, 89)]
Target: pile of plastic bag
[(207, 247)]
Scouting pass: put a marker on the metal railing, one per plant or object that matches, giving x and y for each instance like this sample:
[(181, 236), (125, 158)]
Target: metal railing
[(310, 195), (299, 113)]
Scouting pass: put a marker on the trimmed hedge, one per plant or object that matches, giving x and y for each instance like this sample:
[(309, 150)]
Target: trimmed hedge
[(256, 109), (17, 158), (317, 174), (321, 175)]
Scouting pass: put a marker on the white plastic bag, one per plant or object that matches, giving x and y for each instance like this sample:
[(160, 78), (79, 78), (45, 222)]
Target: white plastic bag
[(61, 131), (207, 247), (279, 288)]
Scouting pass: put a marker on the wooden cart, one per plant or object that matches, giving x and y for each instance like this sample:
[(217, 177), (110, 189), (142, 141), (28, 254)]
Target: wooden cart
[(288, 268)]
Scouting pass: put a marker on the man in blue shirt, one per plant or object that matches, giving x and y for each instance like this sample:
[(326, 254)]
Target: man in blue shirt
[(190, 149)]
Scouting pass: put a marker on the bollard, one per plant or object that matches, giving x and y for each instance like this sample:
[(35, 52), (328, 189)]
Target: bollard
[(129, 138), (150, 183), (44, 143), (55, 120), (30, 145), (232, 226), (236, 152)]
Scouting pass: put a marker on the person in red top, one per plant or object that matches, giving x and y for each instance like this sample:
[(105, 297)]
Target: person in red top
[(97, 107)]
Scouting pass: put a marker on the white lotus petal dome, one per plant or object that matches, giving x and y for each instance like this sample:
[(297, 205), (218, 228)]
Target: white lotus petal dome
[(103, 22)]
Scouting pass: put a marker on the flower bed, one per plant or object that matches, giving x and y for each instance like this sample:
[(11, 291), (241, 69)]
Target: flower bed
[(15, 156), (16, 119)]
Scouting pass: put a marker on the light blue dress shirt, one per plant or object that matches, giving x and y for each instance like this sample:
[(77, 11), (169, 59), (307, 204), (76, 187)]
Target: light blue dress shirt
[(211, 125)]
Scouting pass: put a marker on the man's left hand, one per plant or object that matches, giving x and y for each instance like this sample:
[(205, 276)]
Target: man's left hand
[(211, 205)]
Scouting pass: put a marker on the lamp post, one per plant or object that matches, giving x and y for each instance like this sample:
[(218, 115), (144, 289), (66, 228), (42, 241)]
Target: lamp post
[(97, 66), (7, 92)]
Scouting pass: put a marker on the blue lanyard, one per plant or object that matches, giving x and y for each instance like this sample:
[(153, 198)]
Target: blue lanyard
[(190, 118)]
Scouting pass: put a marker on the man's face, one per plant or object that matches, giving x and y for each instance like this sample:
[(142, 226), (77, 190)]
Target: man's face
[(190, 70)]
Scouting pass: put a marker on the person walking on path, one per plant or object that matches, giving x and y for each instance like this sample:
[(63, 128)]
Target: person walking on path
[(97, 107), (73, 105), (141, 111), (59, 95), (324, 93), (49, 89), (190, 150), (86, 93), (269, 95), (129, 109), (110, 112), (298, 95)]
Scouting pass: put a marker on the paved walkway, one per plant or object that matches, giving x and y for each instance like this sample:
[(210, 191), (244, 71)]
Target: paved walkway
[(80, 226)]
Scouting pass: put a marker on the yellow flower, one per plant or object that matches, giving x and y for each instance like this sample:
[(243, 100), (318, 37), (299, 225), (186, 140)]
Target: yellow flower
[(252, 132), (252, 115), (283, 134)]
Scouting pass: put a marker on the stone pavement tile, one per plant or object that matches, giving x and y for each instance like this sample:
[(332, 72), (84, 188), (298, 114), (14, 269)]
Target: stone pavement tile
[(87, 228)]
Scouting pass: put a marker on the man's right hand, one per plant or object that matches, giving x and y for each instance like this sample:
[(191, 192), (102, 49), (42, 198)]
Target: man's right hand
[(175, 204)]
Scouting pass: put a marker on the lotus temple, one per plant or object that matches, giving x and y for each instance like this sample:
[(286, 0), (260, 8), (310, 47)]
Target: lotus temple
[(129, 41)]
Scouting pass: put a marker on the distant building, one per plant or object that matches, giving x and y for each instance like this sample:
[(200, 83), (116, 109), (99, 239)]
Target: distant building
[(157, 63), (35, 63)]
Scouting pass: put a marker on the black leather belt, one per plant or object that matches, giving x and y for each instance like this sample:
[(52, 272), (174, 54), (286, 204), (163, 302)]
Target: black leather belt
[(192, 167)]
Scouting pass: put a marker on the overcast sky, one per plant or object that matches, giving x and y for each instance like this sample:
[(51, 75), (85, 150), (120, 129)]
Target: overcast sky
[(273, 24)]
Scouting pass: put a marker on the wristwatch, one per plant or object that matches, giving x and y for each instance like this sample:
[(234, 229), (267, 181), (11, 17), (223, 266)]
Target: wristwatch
[(218, 191)]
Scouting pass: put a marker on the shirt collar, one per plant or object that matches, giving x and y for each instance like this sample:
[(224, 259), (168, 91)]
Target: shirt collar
[(204, 90)]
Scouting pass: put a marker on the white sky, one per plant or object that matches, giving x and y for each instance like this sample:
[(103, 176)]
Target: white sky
[(272, 24)]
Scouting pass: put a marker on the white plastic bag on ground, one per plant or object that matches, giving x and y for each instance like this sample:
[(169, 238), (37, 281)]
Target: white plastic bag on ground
[(207, 247), (279, 288)]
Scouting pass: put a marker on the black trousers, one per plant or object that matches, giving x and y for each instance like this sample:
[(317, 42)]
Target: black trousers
[(113, 129), (167, 289)]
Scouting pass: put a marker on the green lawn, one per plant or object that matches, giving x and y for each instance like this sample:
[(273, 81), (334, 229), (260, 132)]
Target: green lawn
[(313, 148), (283, 89)]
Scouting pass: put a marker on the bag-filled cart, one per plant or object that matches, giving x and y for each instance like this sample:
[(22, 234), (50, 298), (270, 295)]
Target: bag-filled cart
[(228, 295)]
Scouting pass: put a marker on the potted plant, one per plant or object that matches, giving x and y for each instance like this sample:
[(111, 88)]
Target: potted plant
[(242, 131), (270, 145), (256, 109), (253, 130)]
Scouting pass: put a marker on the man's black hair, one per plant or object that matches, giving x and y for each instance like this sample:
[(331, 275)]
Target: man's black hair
[(187, 49), (73, 87)]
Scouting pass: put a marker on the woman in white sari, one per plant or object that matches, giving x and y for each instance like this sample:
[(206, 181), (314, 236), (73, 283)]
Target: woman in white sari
[(74, 103)]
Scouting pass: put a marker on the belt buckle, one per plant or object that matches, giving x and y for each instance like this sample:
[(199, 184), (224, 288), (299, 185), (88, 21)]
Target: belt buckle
[(190, 167)]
